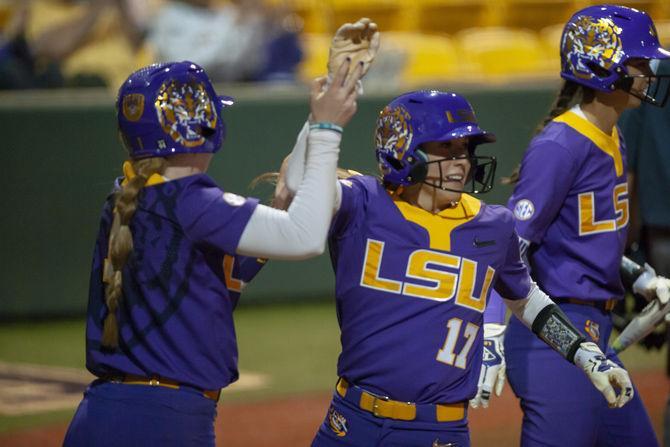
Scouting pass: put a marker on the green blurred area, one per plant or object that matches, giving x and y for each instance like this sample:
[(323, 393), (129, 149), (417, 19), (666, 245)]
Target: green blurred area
[(295, 346), (61, 154)]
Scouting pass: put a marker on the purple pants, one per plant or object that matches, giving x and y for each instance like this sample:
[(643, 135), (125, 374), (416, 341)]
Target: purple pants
[(348, 425), (112, 415), (561, 407)]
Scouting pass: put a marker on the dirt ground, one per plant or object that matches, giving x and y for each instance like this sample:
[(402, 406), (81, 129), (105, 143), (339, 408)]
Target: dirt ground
[(293, 422)]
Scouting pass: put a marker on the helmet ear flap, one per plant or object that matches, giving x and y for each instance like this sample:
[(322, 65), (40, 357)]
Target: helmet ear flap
[(624, 83), (418, 168)]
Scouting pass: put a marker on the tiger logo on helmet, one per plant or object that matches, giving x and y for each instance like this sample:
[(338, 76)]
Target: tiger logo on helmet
[(184, 109), (597, 43), (170, 108), (419, 117), (587, 39), (394, 132)]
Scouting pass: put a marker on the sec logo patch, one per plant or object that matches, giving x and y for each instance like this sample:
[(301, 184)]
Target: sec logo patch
[(524, 209)]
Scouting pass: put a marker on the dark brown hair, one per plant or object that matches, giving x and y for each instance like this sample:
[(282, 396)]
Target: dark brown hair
[(568, 96)]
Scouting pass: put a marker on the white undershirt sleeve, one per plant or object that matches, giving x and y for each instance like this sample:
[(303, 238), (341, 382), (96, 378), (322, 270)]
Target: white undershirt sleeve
[(296, 167), (296, 161), (528, 309), (301, 231)]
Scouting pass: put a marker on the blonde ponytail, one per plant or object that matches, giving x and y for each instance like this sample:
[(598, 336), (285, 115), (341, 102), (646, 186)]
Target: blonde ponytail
[(121, 242)]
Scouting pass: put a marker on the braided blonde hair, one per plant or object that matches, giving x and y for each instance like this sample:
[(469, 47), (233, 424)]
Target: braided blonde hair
[(121, 242)]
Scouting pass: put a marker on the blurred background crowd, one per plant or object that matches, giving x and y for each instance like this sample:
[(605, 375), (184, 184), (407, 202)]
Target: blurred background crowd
[(70, 43)]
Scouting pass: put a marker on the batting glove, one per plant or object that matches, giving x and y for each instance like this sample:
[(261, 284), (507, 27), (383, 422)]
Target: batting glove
[(492, 373), (606, 376), (651, 286), (358, 41)]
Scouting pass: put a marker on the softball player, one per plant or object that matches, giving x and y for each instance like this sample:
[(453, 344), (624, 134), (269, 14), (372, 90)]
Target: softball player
[(571, 211), (415, 259), (160, 335)]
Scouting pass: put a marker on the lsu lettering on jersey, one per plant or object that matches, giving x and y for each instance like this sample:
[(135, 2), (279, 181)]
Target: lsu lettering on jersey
[(572, 203), (411, 288), (175, 317)]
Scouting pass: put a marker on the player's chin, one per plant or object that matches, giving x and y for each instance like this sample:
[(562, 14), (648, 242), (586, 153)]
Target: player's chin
[(450, 195), (453, 186), (633, 102)]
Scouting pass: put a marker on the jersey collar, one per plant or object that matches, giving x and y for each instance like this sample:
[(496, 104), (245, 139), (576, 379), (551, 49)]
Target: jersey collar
[(606, 143)]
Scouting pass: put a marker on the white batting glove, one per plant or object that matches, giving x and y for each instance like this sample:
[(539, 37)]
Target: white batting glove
[(651, 286), (492, 373), (608, 377)]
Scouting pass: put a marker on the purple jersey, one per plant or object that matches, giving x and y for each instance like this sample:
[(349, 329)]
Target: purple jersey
[(571, 203), (175, 318), (411, 287), (239, 271)]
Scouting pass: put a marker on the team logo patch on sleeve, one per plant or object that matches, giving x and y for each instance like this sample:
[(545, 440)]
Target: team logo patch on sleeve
[(337, 422), (233, 199), (524, 209)]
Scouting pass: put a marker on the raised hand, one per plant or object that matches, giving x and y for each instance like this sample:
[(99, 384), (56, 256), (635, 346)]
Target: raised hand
[(336, 102), (357, 41)]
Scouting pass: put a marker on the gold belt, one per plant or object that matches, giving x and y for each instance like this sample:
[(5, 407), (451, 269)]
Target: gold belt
[(131, 379), (404, 411)]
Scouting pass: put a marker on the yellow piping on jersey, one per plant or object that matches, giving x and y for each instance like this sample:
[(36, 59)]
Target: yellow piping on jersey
[(606, 143), (439, 226), (129, 173)]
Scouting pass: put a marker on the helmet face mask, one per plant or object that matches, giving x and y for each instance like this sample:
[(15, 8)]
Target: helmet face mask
[(170, 108), (478, 181), (599, 41), (416, 118), (657, 88)]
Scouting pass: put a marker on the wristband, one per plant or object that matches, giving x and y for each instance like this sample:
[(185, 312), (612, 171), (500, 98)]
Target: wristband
[(327, 126)]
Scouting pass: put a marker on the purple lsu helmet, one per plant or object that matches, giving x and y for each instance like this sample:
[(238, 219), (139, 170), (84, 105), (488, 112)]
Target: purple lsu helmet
[(170, 108), (597, 42), (415, 118)]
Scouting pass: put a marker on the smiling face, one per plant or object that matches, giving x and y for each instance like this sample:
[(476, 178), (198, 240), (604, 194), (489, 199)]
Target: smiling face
[(448, 166)]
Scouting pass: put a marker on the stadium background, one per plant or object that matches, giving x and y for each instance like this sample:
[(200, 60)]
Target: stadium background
[(60, 154)]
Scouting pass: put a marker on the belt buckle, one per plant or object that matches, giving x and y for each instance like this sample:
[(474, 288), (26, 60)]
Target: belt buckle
[(154, 382), (375, 404)]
